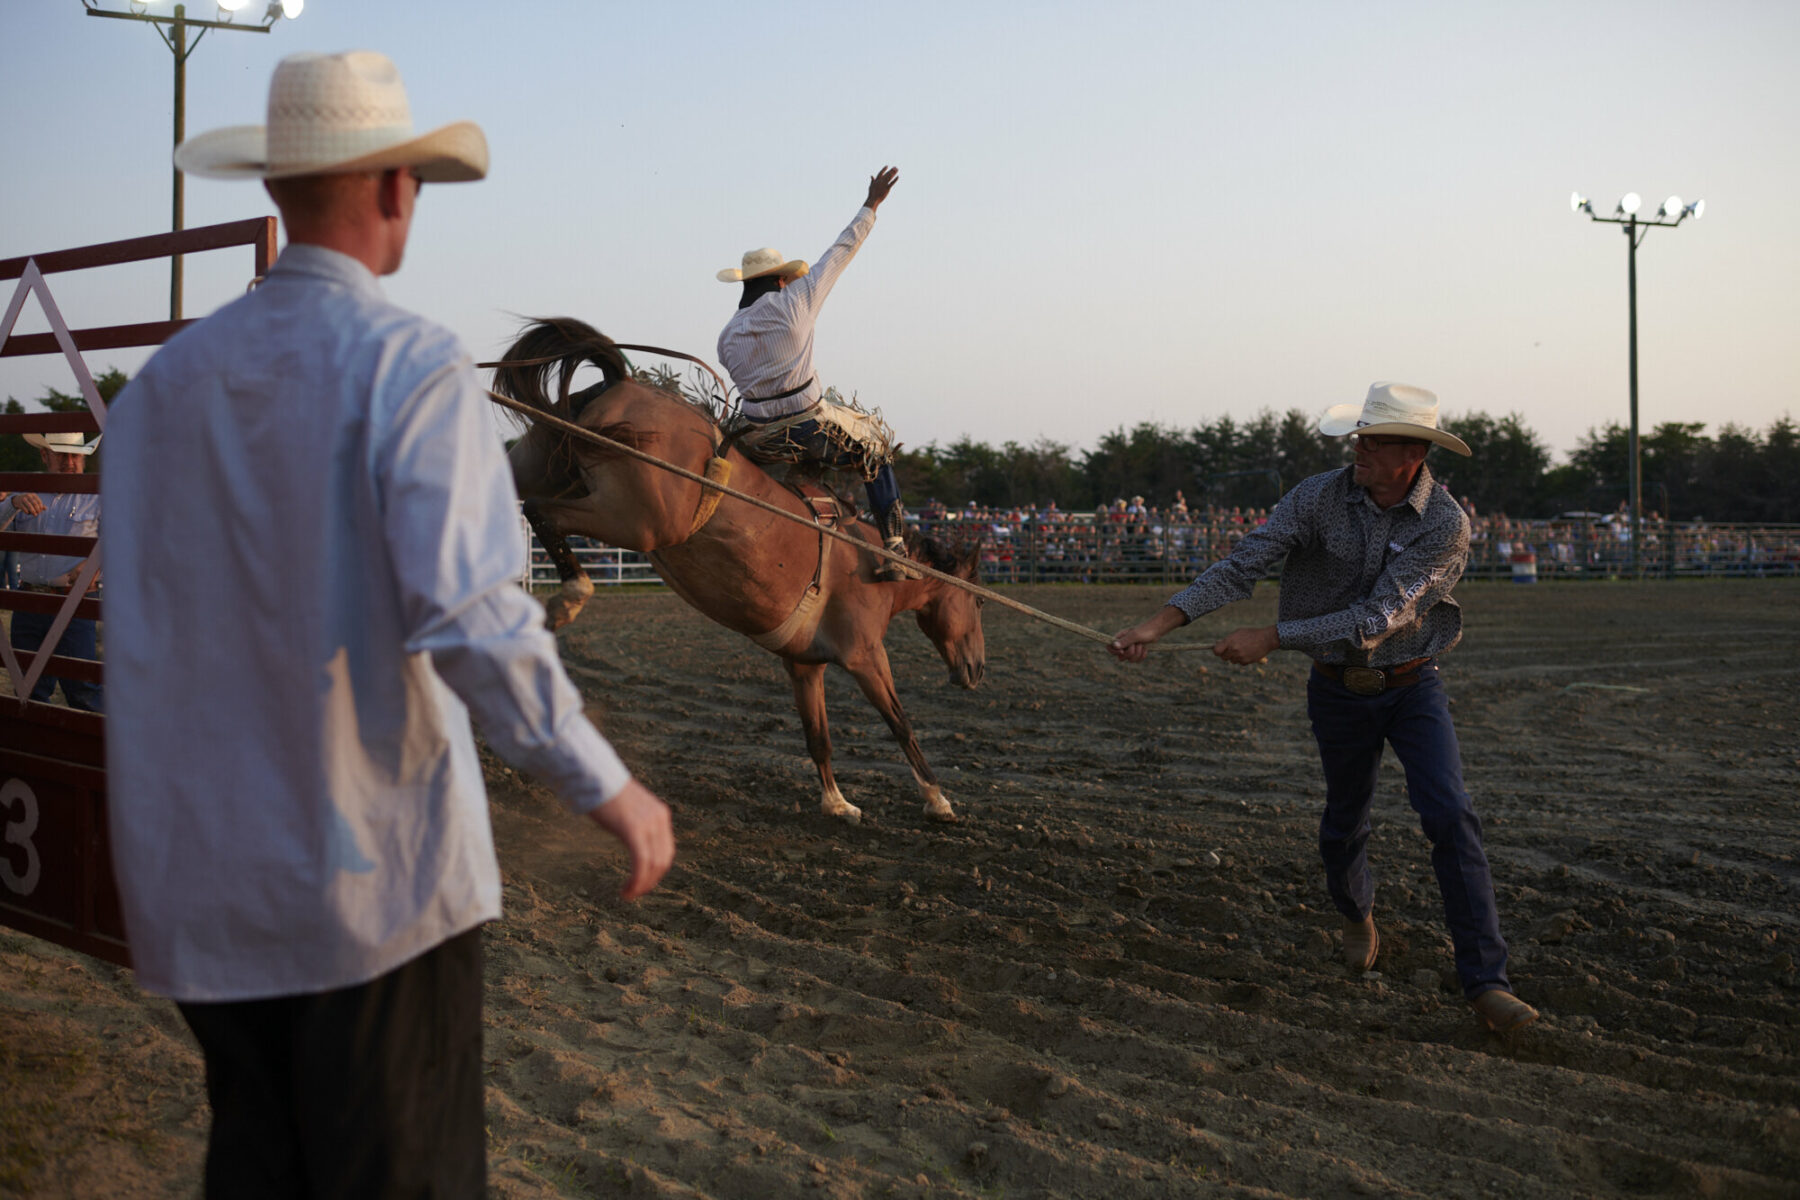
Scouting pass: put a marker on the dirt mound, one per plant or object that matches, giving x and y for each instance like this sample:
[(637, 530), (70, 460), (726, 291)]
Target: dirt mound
[(1118, 975)]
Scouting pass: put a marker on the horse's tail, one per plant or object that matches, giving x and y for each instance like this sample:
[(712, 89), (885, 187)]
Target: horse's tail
[(562, 345)]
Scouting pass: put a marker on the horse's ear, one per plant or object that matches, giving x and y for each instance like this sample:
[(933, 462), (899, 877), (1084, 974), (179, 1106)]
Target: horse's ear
[(968, 557)]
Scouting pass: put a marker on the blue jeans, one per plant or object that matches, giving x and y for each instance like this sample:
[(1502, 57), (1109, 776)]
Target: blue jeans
[(79, 640), (1415, 720)]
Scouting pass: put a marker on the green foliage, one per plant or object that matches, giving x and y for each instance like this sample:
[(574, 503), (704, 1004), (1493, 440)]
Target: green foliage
[(1503, 474), (15, 455), (1222, 463), (1733, 475)]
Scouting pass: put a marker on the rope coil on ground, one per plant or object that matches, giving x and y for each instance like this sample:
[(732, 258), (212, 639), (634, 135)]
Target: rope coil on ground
[(574, 430)]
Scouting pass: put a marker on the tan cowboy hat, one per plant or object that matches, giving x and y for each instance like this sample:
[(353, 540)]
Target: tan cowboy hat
[(758, 263), (1394, 410), (334, 114), (62, 443)]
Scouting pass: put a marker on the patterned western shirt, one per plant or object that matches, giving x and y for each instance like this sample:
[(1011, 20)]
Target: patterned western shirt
[(1358, 577), (768, 347)]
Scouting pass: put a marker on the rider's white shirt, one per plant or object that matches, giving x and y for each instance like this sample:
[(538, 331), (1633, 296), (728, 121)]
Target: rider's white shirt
[(768, 347)]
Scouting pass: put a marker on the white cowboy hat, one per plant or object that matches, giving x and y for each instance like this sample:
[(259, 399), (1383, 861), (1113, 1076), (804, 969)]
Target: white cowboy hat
[(758, 263), (334, 114), (1393, 409), (62, 443)]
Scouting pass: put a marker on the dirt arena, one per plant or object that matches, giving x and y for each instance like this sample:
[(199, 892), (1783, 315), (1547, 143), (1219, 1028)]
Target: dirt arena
[(1117, 977)]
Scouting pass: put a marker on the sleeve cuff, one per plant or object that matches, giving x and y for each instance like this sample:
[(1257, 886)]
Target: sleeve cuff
[(606, 772)]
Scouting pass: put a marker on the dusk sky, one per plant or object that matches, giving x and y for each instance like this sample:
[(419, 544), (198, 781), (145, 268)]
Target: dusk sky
[(1106, 214)]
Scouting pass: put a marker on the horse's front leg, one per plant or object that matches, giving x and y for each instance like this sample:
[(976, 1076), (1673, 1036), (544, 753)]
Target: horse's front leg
[(566, 605), (876, 678), (809, 698)]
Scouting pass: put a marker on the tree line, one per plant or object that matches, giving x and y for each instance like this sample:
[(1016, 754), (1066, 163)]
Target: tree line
[(1736, 474)]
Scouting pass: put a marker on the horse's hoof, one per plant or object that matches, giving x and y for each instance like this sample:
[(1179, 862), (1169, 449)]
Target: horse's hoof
[(849, 813), (560, 610), (943, 816)]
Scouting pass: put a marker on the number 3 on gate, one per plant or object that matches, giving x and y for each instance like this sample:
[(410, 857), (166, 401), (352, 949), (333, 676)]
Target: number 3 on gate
[(18, 833)]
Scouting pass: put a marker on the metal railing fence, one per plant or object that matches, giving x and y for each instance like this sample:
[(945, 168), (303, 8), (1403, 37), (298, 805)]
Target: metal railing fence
[(1102, 548)]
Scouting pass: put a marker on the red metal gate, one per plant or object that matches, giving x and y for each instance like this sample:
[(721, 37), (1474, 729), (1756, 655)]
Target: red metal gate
[(56, 878)]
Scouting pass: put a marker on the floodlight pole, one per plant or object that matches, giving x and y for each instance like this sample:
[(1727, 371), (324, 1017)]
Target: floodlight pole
[(1635, 475), (176, 41), (1635, 230)]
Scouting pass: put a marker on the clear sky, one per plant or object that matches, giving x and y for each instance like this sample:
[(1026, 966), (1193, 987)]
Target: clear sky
[(1107, 213)]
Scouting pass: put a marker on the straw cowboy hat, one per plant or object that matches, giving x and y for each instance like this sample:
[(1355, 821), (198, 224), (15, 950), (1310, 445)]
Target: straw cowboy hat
[(62, 443), (334, 114), (758, 263), (1394, 410)]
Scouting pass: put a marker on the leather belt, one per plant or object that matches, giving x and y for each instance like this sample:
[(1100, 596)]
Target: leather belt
[(1372, 681), (793, 391), (799, 412)]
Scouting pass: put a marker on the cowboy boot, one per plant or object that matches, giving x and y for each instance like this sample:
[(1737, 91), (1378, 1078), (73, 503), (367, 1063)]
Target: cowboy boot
[(1361, 941), (1503, 1012), (892, 525)]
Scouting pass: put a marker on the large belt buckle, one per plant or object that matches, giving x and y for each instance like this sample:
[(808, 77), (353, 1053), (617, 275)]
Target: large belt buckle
[(1365, 681)]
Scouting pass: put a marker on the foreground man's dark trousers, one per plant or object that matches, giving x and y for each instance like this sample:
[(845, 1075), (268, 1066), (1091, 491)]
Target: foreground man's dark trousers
[(1415, 720), (367, 1091)]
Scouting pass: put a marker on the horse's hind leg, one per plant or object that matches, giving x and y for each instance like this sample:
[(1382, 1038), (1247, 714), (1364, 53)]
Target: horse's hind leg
[(566, 605), (538, 472), (809, 698), (876, 678)]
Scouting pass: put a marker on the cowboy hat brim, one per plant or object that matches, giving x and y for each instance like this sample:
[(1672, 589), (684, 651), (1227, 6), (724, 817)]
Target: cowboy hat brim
[(1340, 421), (797, 267), (455, 153), (41, 442)]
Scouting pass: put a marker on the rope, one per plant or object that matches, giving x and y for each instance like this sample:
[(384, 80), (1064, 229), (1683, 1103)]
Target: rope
[(574, 430)]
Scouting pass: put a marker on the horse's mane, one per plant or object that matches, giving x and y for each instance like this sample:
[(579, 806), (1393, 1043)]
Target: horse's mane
[(696, 391), (961, 558)]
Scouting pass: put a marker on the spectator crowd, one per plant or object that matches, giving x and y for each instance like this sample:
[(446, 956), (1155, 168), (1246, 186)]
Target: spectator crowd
[(1134, 540)]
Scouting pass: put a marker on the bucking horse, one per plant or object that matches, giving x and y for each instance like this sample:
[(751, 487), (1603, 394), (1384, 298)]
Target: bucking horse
[(810, 599)]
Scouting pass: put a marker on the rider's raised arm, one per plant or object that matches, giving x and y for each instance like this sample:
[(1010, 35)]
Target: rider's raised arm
[(809, 291)]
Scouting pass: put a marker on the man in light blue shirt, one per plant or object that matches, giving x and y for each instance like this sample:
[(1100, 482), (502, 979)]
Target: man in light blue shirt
[(312, 588)]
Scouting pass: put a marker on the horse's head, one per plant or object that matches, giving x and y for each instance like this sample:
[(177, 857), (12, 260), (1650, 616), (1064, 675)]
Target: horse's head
[(951, 618)]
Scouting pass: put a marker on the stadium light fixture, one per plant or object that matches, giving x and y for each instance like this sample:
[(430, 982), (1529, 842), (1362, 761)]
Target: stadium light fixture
[(177, 42), (1672, 213)]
